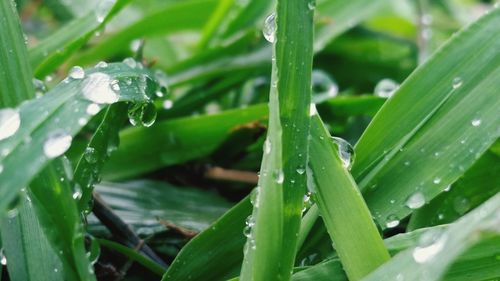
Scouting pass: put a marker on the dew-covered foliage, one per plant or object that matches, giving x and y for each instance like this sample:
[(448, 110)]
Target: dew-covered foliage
[(249, 140)]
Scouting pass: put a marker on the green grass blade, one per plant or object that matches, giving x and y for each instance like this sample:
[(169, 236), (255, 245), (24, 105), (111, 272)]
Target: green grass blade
[(435, 252), (134, 255), (29, 255), (478, 184), (224, 240), (346, 216), (145, 205), (15, 71), (52, 195), (271, 247), (97, 152), (50, 53), (429, 132), (64, 110), (214, 24), (171, 142)]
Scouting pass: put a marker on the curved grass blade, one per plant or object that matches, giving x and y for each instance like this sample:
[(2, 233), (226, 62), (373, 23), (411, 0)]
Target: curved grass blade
[(436, 251), (49, 54), (271, 246), (171, 142), (346, 216), (224, 240), (59, 115), (97, 152), (420, 143)]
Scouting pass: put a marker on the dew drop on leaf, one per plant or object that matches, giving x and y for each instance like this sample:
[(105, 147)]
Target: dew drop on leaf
[(385, 88), (90, 155), (476, 122), (415, 201), (392, 221), (130, 62), (103, 9), (57, 143), (269, 29), (9, 122), (93, 109), (97, 88), (77, 72), (430, 244), (101, 64), (345, 152), (457, 83), (437, 180), (279, 176), (148, 114), (167, 104), (461, 205), (267, 146)]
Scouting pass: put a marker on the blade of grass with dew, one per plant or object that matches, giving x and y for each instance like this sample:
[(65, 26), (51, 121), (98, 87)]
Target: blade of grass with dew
[(478, 184), (275, 222), (223, 240), (104, 141), (29, 255), (27, 246), (148, 205), (133, 255), (420, 143), (52, 195), (166, 19), (56, 117), (346, 216), (50, 53), (438, 250), (172, 141)]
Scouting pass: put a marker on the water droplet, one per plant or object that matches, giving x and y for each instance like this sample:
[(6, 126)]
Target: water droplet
[(311, 5), (82, 121), (249, 223), (461, 205), (90, 155), (323, 87), (93, 109), (77, 72), (167, 104), (385, 88), (130, 62), (407, 163), (437, 180), (1, 169), (301, 170), (135, 45), (97, 88), (267, 146), (142, 113), (392, 221), (345, 152), (312, 109), (415, 201), (103, 8), (431, 243), (101, 64), (457, 83), (57, 143), (9, 122), (279, 176), (448, 188), (148, 115), (269, 29), (476, 122), (115, 85)]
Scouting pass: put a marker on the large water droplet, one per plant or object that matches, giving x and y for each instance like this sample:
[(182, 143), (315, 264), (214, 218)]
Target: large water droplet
[(93, 109), (57, 143), (142, 113), (97, 88), (415, 201), (431, 243), (77, 72), (345, 152), (149, 115), (323, 87), (385, 88), (269, 29), (9, 122)]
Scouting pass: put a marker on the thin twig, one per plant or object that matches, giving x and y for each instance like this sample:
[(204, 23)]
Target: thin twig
[(219, 173)]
